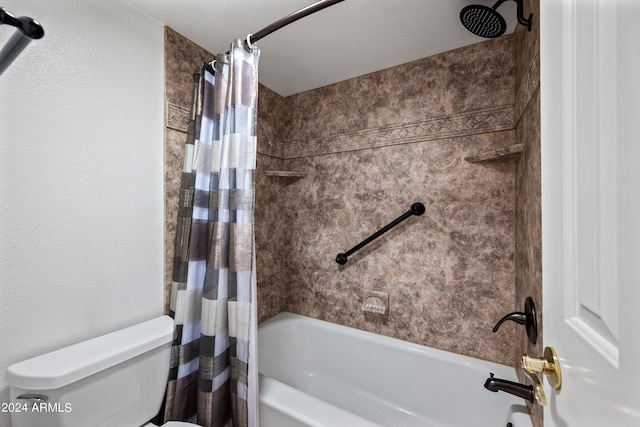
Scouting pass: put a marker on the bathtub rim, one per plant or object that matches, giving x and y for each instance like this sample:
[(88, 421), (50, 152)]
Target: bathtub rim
[(396, 343)]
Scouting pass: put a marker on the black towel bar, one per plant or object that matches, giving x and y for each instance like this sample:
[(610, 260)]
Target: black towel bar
[(27, 29), (416, 209)]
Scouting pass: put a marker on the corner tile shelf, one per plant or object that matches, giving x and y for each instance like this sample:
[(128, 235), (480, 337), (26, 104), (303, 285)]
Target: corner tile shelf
[(287, 174), (500, 153)]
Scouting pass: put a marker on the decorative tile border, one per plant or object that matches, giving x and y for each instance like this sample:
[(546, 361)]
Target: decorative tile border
[(177, 117), (475, 122), (457, 125)]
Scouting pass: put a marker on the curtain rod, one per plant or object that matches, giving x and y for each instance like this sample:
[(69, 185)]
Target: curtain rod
[(315, 7)]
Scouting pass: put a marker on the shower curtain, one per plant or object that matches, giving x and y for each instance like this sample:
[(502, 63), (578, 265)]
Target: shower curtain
[(213, 376)]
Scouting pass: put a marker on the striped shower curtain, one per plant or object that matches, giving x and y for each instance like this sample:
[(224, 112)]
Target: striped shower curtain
[(213, 377)]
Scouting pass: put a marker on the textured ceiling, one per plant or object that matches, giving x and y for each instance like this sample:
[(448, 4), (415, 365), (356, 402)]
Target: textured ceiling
[(346, 40)]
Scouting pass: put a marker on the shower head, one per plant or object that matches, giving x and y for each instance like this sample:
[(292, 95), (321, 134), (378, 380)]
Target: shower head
[(486, 22), (483, 21)]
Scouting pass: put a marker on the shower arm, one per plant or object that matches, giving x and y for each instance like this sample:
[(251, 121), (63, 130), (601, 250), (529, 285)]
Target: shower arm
[(315, 7), (521, 19), (416, 209)]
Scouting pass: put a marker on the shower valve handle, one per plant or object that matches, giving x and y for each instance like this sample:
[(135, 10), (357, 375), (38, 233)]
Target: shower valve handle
[(528, 318)]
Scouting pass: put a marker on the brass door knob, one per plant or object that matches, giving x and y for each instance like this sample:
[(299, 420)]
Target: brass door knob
[(548, 364)]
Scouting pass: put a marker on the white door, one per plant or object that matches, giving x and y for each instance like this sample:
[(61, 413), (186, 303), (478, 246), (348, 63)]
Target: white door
[(590, 127)]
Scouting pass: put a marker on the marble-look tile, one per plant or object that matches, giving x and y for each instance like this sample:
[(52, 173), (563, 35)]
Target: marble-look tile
[(529, 85), (270, 226), (528, 225), (449, 273), (529, 229), (526, 43), (182, 57), (471, 78), (272, 114)]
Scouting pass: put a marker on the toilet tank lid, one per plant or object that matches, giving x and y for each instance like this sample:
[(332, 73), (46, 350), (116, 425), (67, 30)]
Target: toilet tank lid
[(70, 364)]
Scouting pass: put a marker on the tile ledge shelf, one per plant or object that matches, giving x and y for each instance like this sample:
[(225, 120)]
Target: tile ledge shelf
[(499, 153), (287, 174)]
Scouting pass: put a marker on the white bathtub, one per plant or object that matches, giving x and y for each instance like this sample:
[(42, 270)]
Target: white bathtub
[(315, 373)]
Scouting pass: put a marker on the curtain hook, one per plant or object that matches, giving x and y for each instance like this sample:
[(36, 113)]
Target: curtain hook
[(248, 43)]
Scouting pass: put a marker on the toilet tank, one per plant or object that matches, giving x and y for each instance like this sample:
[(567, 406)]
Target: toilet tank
[(116, 380)]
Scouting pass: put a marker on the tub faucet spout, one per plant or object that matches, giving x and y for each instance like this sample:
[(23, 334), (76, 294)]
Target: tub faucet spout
[(521, 390)]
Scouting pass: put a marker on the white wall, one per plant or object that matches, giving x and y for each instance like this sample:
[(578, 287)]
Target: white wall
[(81, 178)]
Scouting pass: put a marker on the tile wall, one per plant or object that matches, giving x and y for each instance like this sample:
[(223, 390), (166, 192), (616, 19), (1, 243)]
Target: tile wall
[(368, 148)]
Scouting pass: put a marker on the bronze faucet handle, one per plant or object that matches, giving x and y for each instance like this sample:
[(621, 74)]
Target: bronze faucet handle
[(528, 318)]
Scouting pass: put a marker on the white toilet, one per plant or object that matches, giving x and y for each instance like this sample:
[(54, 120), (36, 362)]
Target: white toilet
[(116, 380)]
